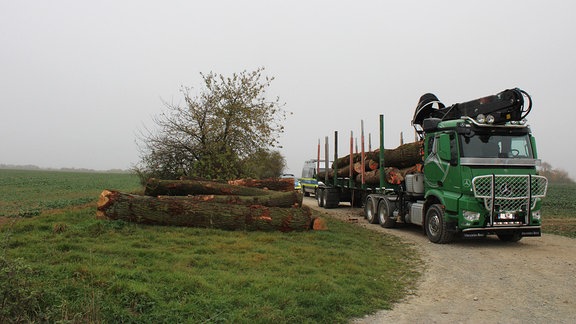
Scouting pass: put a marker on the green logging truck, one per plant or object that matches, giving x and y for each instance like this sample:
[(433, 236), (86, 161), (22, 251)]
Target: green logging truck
[(477, 176)]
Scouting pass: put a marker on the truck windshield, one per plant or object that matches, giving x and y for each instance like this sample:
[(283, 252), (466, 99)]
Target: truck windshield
[(496, 146)]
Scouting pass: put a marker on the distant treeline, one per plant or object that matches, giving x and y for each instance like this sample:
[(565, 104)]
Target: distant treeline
[(554, 175), (35, 167)]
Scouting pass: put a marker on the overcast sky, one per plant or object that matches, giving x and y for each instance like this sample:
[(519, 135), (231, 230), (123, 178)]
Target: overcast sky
[(78, 79)]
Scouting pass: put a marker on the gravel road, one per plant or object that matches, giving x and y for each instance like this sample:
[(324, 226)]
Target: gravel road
[(482, 280)]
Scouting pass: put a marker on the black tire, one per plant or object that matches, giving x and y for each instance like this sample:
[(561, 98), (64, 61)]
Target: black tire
[(509, 237), (370, 210), (384, 213), (436, 227), (332, 198), (320, 197)]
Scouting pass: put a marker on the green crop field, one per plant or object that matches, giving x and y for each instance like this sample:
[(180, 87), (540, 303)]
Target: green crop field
[(60, 264), (559, 210), (29, 193)]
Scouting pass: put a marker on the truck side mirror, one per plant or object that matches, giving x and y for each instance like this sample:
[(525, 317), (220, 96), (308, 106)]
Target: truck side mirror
[(444, 147)]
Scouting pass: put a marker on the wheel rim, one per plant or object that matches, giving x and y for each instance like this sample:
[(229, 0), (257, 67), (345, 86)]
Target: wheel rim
[(370, 209), (434, 225), (382, 213)]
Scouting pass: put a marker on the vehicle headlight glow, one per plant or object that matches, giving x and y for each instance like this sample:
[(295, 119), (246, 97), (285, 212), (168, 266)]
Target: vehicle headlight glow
[(481, 118), (536, 215), (471, 216), (490, 119)]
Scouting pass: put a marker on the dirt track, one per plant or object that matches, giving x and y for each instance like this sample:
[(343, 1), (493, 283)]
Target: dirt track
[(483, 280)]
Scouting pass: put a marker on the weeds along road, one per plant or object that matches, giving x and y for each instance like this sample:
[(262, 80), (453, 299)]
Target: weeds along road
[(482, 280)]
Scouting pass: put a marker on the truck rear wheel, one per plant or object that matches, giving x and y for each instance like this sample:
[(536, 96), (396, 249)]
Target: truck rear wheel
[(436, 226), (370, 210), (384, 213), (320, 197), (331, 198)]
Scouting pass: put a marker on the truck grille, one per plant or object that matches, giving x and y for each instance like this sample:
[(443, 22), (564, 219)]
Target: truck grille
[(509, 193)]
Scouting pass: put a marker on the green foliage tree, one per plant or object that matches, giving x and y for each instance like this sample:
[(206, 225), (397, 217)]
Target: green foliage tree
[(264, 164), (217, 133)]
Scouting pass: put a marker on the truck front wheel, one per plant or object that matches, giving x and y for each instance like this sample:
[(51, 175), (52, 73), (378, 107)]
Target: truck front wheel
[(436, 226)]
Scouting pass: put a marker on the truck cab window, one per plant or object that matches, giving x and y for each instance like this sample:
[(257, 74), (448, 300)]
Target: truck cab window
[(496, 146)]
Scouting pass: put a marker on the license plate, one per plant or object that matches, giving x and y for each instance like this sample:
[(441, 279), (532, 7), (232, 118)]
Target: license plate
[(506, 216)]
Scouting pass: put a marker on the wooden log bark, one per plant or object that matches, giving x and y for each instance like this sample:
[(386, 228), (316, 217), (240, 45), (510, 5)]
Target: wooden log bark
[(369, 165), (404, 156), (413, 169), (276, 184), (344, 172), (156, 187), (180, 211), (322, 175), (392, 176), (274, 199)]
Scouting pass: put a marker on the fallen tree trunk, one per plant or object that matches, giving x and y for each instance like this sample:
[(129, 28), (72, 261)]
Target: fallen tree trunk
[(274, 199), (276, 184), (195, 212), (157, 187)]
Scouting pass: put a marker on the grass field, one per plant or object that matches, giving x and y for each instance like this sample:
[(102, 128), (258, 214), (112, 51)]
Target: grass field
[(59, 264)]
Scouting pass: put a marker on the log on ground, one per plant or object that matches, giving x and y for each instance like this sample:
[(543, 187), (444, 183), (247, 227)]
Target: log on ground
[(178, 211), (276, 184), (274, 199), (157, 187)]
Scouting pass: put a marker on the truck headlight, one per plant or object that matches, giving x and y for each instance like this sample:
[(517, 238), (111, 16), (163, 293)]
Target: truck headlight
[(536, 215), (490, 119), (470, 215)]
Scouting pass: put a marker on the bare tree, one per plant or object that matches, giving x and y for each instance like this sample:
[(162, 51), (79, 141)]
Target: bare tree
[(216, 131)]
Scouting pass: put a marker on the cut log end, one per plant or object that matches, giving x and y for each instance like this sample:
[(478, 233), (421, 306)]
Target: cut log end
[(104, 199), (319, 224)]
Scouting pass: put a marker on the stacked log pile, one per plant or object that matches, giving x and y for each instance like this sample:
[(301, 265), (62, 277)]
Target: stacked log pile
[(238, 205), (398, 162)]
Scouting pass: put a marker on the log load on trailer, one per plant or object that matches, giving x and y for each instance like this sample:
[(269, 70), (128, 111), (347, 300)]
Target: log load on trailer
[(472, 172)]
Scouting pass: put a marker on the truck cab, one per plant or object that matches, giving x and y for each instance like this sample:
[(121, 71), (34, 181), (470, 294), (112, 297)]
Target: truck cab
[(480, 173), (484, 178)]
